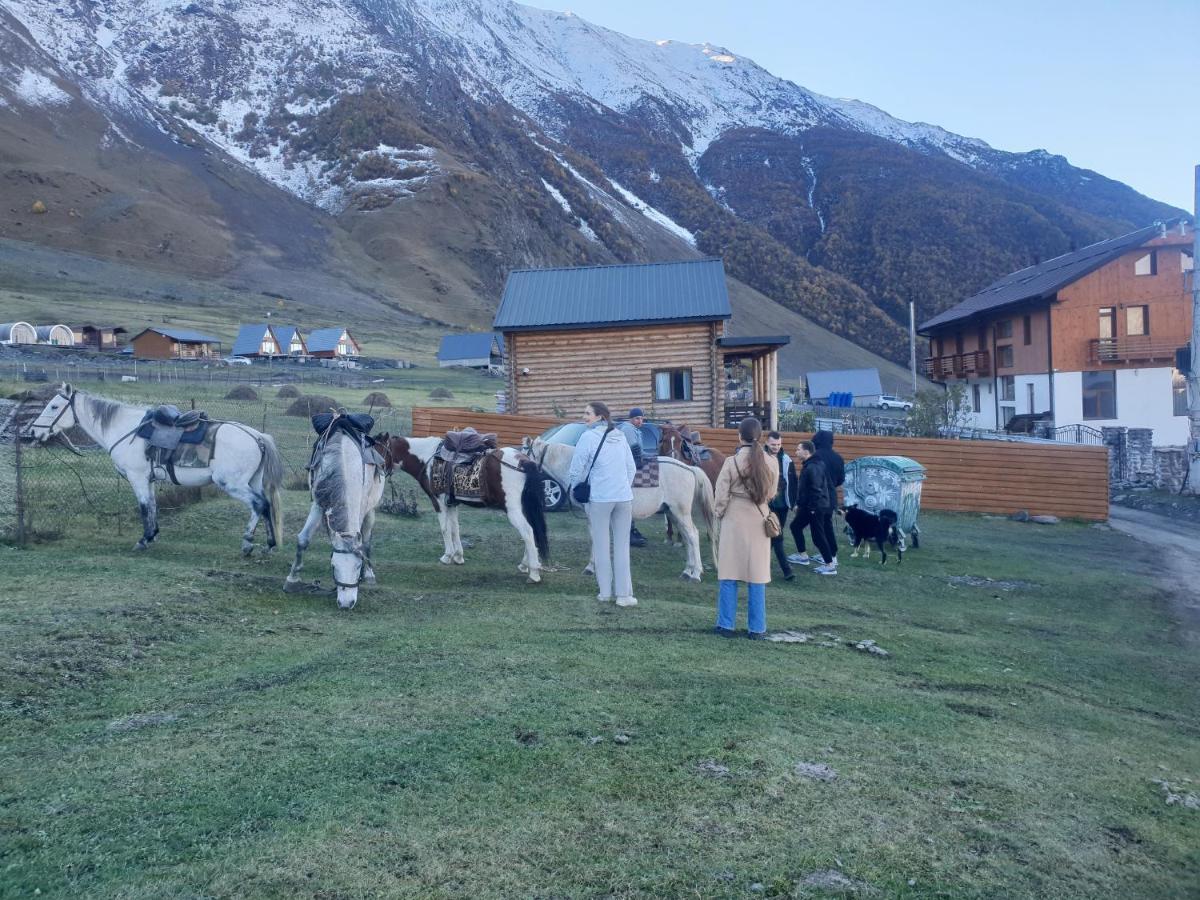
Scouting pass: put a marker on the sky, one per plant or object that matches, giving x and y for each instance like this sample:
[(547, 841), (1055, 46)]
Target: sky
[(1112, 85)]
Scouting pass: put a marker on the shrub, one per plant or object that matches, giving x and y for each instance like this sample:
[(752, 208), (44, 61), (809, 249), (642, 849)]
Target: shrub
[(242, 392), (378, 399), (288, 392), (441, 393), (311, 405)]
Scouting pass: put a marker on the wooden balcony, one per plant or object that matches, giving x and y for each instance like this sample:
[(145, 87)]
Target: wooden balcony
[(959, 365), (1141, 349)]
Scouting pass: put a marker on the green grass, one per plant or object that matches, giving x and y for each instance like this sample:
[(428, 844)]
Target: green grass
[(453, 735)]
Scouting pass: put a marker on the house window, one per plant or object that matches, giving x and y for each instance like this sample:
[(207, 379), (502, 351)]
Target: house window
[(1008, 388), (1028, 326), (1108, 323), (1137, 320), (1029, 396), (958, 343), (1006, 414), (1099, 395), (343, 348), (1147, 265), (672, 384), (1179, 394), (1186, 262), (1004, 357), (1004, 328), (295, 346), (268, 347), (941, 349), (976, 406)]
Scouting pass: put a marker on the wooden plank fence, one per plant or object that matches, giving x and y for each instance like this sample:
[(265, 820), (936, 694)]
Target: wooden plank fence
[(1066, 480)]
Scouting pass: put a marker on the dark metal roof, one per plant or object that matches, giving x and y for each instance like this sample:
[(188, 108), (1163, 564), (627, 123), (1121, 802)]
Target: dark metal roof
[(614, 295), (765, 340), (477, 345), (325, 339), (1043, 280), (249, 339), (181, 334), (284, 334)]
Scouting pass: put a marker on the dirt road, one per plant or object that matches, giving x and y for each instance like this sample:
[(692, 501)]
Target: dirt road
[(1178, 542)]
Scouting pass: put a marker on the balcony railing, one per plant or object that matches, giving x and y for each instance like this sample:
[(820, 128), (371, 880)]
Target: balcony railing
[(1132, 349), (959, 365)]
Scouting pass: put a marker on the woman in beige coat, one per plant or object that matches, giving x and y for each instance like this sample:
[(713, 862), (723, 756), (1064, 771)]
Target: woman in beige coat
[(746, 483)]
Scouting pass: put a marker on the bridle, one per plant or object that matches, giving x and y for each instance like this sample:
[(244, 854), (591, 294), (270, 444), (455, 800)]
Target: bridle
[(70, 398), (347, 538)]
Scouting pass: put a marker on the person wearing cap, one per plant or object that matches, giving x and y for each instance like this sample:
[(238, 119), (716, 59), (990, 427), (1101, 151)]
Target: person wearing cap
[(631, 429)]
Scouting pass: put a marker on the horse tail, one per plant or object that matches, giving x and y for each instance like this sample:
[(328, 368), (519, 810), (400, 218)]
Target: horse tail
[(272, 481), (707, 503), (533, 505)]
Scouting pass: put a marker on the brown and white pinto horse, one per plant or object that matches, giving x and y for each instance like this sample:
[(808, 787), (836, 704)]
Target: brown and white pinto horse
[(508, 481), (676, 442)]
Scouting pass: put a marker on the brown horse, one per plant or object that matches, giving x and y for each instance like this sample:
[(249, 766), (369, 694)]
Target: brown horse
[(508, 481), (681, 443)]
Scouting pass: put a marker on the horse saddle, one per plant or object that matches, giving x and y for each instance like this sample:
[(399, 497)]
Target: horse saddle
[(462, 447), (356, 426), (694, 450), (165, 427)]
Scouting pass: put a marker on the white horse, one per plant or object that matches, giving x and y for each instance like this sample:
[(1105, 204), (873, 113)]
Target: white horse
[(681, 490), (508, 482), (345, 490), (245, 463)]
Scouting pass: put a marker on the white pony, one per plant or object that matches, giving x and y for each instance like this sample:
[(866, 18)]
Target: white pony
[(345, 490), (245, 463), (681, 489), (508, 482)]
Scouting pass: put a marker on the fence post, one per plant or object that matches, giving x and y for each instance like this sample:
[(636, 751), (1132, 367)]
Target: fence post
[(20, 494)]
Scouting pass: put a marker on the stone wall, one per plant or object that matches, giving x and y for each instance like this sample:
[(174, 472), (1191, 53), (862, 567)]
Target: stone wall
[(1170, 468)]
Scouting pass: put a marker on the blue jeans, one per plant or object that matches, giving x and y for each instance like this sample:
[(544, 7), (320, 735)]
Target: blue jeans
[(756, 606)]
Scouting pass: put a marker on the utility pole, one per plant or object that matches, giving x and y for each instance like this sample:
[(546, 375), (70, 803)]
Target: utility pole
[(1193, 375), (912, 342)]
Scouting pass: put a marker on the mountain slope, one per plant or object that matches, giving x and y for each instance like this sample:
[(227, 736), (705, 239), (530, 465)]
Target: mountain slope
[(403, 155)]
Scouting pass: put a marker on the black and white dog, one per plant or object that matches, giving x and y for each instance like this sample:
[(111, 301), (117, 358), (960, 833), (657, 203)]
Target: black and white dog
[(863, 527)]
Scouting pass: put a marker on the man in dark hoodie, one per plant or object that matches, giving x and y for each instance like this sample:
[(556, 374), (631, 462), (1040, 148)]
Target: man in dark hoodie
[(822, 525), (815, 499)]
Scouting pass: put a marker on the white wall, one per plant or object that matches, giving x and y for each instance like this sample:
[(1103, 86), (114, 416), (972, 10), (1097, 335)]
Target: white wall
[(986, 417), (1144, 400)]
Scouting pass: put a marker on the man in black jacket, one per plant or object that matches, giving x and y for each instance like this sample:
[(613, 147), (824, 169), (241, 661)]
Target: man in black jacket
[(835, 468), (815, 499)]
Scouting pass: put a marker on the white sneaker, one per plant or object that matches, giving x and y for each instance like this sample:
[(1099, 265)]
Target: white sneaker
[(830, 569), (834, 563), (800, 559), (627, 601), (604, 599)]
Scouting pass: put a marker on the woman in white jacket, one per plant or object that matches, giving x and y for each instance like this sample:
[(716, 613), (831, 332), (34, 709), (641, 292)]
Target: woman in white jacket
[(603, 459)]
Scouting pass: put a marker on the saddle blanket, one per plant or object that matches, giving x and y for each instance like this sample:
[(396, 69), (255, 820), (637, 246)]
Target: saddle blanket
[(647, 475), (460, 482), (168, 437), (184, 455)]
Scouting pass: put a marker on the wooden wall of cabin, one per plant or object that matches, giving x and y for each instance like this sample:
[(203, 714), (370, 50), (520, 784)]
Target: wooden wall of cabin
[(569, 368)]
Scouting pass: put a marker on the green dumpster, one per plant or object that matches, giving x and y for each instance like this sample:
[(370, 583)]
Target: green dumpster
[(874, 483)]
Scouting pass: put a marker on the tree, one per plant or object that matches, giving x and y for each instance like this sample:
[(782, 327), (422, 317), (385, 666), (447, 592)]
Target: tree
[(938, 413)]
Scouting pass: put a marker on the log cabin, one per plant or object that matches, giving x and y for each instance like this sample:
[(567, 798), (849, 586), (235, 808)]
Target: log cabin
[(1085, 340), (645, 335)]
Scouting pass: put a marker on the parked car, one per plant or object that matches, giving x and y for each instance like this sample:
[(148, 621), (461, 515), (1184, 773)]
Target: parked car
[(235, 361), (890, 401), (568, 433)]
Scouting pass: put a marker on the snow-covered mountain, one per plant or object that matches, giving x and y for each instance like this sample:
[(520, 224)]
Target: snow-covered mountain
[(361, 106)]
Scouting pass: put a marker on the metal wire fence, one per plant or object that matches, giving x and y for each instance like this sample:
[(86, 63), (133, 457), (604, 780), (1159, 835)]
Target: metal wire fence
[(47, 492)]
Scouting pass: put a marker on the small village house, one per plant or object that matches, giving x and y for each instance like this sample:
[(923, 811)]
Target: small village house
[(55, 335), (98, 337), (291, 341), (862, 384), (333, 343), (12, 333), (174, 343), (1086, 339), (256, 341), (648, 335), (481, 350)]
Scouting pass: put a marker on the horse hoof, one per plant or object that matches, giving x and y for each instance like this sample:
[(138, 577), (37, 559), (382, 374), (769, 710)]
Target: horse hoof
[(694, 579), (533, 580), (292, 587), (459, 561), (247, 550), (590, 570), (521, 567), (445, 560), (141, 545)]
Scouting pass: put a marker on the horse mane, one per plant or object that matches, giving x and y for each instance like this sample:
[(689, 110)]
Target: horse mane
[(329, 485), (103, 411)]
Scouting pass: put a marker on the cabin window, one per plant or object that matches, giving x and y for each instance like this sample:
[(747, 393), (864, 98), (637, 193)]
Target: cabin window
[(1099, 395), (1004, 329), (295, 346), (1146, 265), (1004, 357), (672, 384), (976, 405), (941, 349), (1008, 388), (1028, 327), (1137, 320), (1179, 393), (1186, 261), (1108, 323), (343, 348)]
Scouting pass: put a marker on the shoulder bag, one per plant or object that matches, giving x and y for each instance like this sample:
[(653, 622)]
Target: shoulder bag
[(582, 492), (771, 524)]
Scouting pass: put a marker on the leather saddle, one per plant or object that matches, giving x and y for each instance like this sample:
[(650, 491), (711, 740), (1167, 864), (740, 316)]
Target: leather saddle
[(462, 447), (693, 450), (356, 426), (165, 427)]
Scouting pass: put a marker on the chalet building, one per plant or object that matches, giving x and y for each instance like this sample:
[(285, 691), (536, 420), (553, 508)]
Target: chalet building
[(174, 343), (17, 333), (480, 350), (651, 336), (256, 341), (97, 337), (1088, 338), (333, 343), (291, 341)]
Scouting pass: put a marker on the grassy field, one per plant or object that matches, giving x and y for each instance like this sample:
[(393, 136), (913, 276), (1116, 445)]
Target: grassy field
[(174, 725)]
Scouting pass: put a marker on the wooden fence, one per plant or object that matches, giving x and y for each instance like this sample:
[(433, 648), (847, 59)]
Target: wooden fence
[(1070, 481)]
